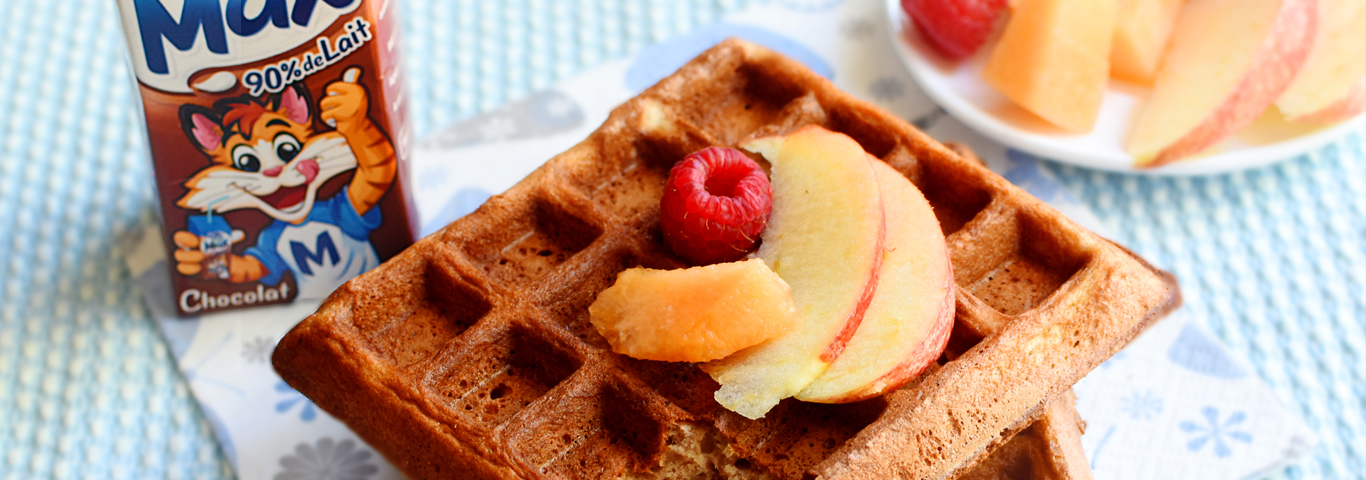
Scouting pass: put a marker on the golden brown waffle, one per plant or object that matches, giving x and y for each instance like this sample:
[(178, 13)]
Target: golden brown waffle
[(471, 354), (1050, 449)]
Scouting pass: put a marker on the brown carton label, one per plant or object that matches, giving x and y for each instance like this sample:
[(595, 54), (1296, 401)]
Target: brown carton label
[(278, 144)]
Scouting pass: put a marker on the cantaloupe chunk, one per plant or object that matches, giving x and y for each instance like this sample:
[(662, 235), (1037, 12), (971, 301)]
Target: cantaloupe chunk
[(694, 314), (1054, 59), (1141, 32)]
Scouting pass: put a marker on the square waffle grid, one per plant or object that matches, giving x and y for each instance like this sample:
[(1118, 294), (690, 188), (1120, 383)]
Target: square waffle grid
[(473, 350)]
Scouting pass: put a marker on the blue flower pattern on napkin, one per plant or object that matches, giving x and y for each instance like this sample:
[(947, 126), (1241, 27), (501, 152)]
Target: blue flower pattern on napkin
[(1141, 405), (887, 89), (1212, 429), (307, 413), (1197, 352), (327, 460), (258, 350)]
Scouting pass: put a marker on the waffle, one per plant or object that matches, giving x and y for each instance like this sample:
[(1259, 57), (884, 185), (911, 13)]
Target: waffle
[(471, 353), (1048, 449)]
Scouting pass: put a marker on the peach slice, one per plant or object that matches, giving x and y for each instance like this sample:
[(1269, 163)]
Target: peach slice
[(694, 314), (1330, 87), (1227, 62), (908, 322), (1054, 59), (825, 239), (1142, 29)]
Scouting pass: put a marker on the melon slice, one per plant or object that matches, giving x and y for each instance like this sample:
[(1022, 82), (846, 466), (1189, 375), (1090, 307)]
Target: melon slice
[(1142, 29), (695, 314), (1054, 59)]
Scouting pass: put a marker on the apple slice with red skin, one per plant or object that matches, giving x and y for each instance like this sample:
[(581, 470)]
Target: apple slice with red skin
[(825, 239), (1343, 109), (1226, 63), (908, 322), (1331, 86), (954, 28)]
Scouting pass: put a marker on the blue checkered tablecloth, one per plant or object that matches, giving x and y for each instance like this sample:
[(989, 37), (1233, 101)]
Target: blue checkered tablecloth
[(1272, 260)]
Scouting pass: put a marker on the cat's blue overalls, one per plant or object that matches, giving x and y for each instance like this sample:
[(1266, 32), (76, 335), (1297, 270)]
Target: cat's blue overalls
[(327, 249)]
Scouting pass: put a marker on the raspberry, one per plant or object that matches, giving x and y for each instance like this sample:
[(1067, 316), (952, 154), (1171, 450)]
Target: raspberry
[(954, 28), (715, 204)]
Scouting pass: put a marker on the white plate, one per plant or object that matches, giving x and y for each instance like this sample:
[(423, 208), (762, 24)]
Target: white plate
[(959, 89)]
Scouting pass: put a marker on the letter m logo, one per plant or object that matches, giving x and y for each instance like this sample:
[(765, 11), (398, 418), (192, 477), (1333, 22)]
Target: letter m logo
[(303, 257), (155, 22)]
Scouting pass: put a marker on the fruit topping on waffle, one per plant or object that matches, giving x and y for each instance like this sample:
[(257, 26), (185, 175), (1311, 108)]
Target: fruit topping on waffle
[(693, 314), (715, 203)]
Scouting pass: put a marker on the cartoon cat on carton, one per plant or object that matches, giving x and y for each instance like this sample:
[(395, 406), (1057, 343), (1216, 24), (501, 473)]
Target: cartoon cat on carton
[(265, 155)]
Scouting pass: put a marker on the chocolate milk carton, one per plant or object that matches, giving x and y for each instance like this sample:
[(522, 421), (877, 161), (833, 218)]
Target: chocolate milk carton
[(276, 133)]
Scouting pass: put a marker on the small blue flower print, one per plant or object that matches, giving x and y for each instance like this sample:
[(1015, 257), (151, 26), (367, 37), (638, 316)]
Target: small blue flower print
[(309, 411), (887, 89), (258, 350), (1213, 429), (1141, 405), (327, 460), (1197, 351)]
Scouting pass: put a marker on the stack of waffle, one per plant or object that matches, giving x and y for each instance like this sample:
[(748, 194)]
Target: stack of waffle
[(471, 353)]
